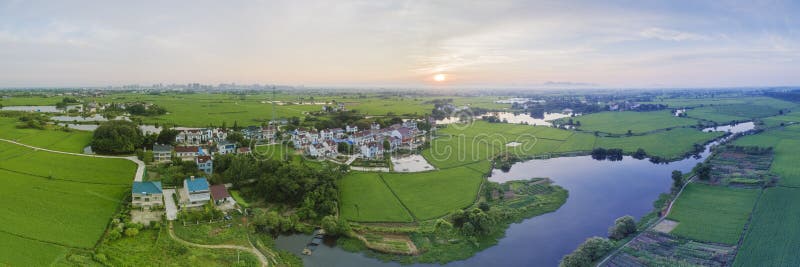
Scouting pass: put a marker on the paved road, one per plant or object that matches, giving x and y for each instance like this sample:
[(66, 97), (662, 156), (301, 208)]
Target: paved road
[(263, 259), (139, 169), (169, 204)]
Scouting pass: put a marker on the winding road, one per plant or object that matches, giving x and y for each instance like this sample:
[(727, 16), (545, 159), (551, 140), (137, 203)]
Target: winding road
[(263, 259), (139, 169)]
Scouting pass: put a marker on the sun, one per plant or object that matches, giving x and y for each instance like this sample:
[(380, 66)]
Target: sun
[(439, 77)]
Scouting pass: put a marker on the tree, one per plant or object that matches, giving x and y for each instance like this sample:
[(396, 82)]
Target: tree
[(703, 171), (238, 138), (117, 137), (677, 179), (623, 227), (167, 136), (640, 154), (484, 206)]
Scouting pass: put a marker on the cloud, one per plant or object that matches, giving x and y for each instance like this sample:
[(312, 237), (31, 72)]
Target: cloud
[(672, 35)]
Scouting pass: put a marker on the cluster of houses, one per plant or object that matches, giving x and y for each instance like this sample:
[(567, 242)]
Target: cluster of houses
[(370, 143), (196, 192)]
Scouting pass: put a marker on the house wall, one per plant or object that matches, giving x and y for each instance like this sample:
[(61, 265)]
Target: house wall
[(147, 201)]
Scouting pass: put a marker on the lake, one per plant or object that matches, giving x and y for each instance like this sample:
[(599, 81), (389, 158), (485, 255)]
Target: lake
[(515, 118), (599, 192)]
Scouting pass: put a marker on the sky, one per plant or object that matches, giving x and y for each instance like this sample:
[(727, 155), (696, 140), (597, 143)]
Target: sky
[(487, 44)]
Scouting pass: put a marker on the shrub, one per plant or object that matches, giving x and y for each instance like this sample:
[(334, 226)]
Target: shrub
[(131, 232), (623, 227)]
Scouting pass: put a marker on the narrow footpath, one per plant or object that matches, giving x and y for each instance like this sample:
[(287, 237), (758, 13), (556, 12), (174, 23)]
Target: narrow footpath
[(253, 250), (139, 169), (664, 216)]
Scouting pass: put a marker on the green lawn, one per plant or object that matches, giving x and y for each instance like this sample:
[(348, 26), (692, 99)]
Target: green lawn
[(773, 237), (365, 197), (432, 194), (637, 122), (66, 167), (72, 141), (712, 213)]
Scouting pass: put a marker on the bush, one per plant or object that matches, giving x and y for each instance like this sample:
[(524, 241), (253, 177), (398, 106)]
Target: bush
[(131, 232), (114, 234), (117, 137), (591, 250), (623, 227)]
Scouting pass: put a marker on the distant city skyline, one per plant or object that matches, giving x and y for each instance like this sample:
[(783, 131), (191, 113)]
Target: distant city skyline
[(499, 44)]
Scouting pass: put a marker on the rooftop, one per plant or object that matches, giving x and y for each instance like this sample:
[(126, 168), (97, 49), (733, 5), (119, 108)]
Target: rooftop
[(162, 148), (196, 184), (218, 191), (186, 149), (146, 188)]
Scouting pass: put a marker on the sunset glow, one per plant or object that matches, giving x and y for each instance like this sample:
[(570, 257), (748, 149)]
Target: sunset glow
[(439, 77)]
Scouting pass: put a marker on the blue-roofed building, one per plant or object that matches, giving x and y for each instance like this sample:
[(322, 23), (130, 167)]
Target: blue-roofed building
[(195, 192), (147, 195)]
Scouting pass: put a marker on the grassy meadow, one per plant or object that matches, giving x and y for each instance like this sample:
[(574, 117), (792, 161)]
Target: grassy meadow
[(712, 213), (156, 248)]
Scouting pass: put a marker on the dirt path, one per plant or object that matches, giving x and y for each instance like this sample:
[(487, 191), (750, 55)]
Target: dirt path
[(263, 259), (663, 217), (139, 169)]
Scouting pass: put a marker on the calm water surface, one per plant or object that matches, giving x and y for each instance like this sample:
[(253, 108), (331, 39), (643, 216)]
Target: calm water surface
[(599, 192)]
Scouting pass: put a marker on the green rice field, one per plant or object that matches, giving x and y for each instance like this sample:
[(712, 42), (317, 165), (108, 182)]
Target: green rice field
[(773, 235), (712, 213), (56, 202), (637, 122), (366, 198)]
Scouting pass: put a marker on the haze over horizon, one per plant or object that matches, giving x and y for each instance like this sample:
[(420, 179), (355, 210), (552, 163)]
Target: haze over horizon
[(581, 44)]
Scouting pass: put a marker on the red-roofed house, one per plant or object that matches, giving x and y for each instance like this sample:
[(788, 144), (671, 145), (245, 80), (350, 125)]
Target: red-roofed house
[(220, 195)]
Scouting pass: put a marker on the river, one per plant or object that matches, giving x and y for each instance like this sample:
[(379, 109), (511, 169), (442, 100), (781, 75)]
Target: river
[(599, 192)]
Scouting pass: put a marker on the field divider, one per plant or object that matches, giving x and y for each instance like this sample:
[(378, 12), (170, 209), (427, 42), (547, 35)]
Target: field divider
[(59, 179), (747, 224), (413, 216), (45, 241)]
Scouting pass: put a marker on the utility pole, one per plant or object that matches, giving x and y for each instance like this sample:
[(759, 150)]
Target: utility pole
[(273, 106)]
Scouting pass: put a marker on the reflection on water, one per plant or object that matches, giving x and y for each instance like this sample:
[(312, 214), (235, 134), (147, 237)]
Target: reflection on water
[(39, 108), (733, 128), (511, 117), (146, 129), (599, 192)]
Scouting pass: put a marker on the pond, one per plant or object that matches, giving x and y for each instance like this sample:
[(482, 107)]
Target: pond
[(515, 118), (599, 192), (38, 108), (734, 128), (146, 129)]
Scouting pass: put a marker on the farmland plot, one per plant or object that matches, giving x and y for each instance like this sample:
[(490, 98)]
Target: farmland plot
[(712, 214), (773, 237)]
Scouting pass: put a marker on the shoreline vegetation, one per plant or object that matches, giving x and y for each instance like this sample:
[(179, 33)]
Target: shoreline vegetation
[(463, 233)]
